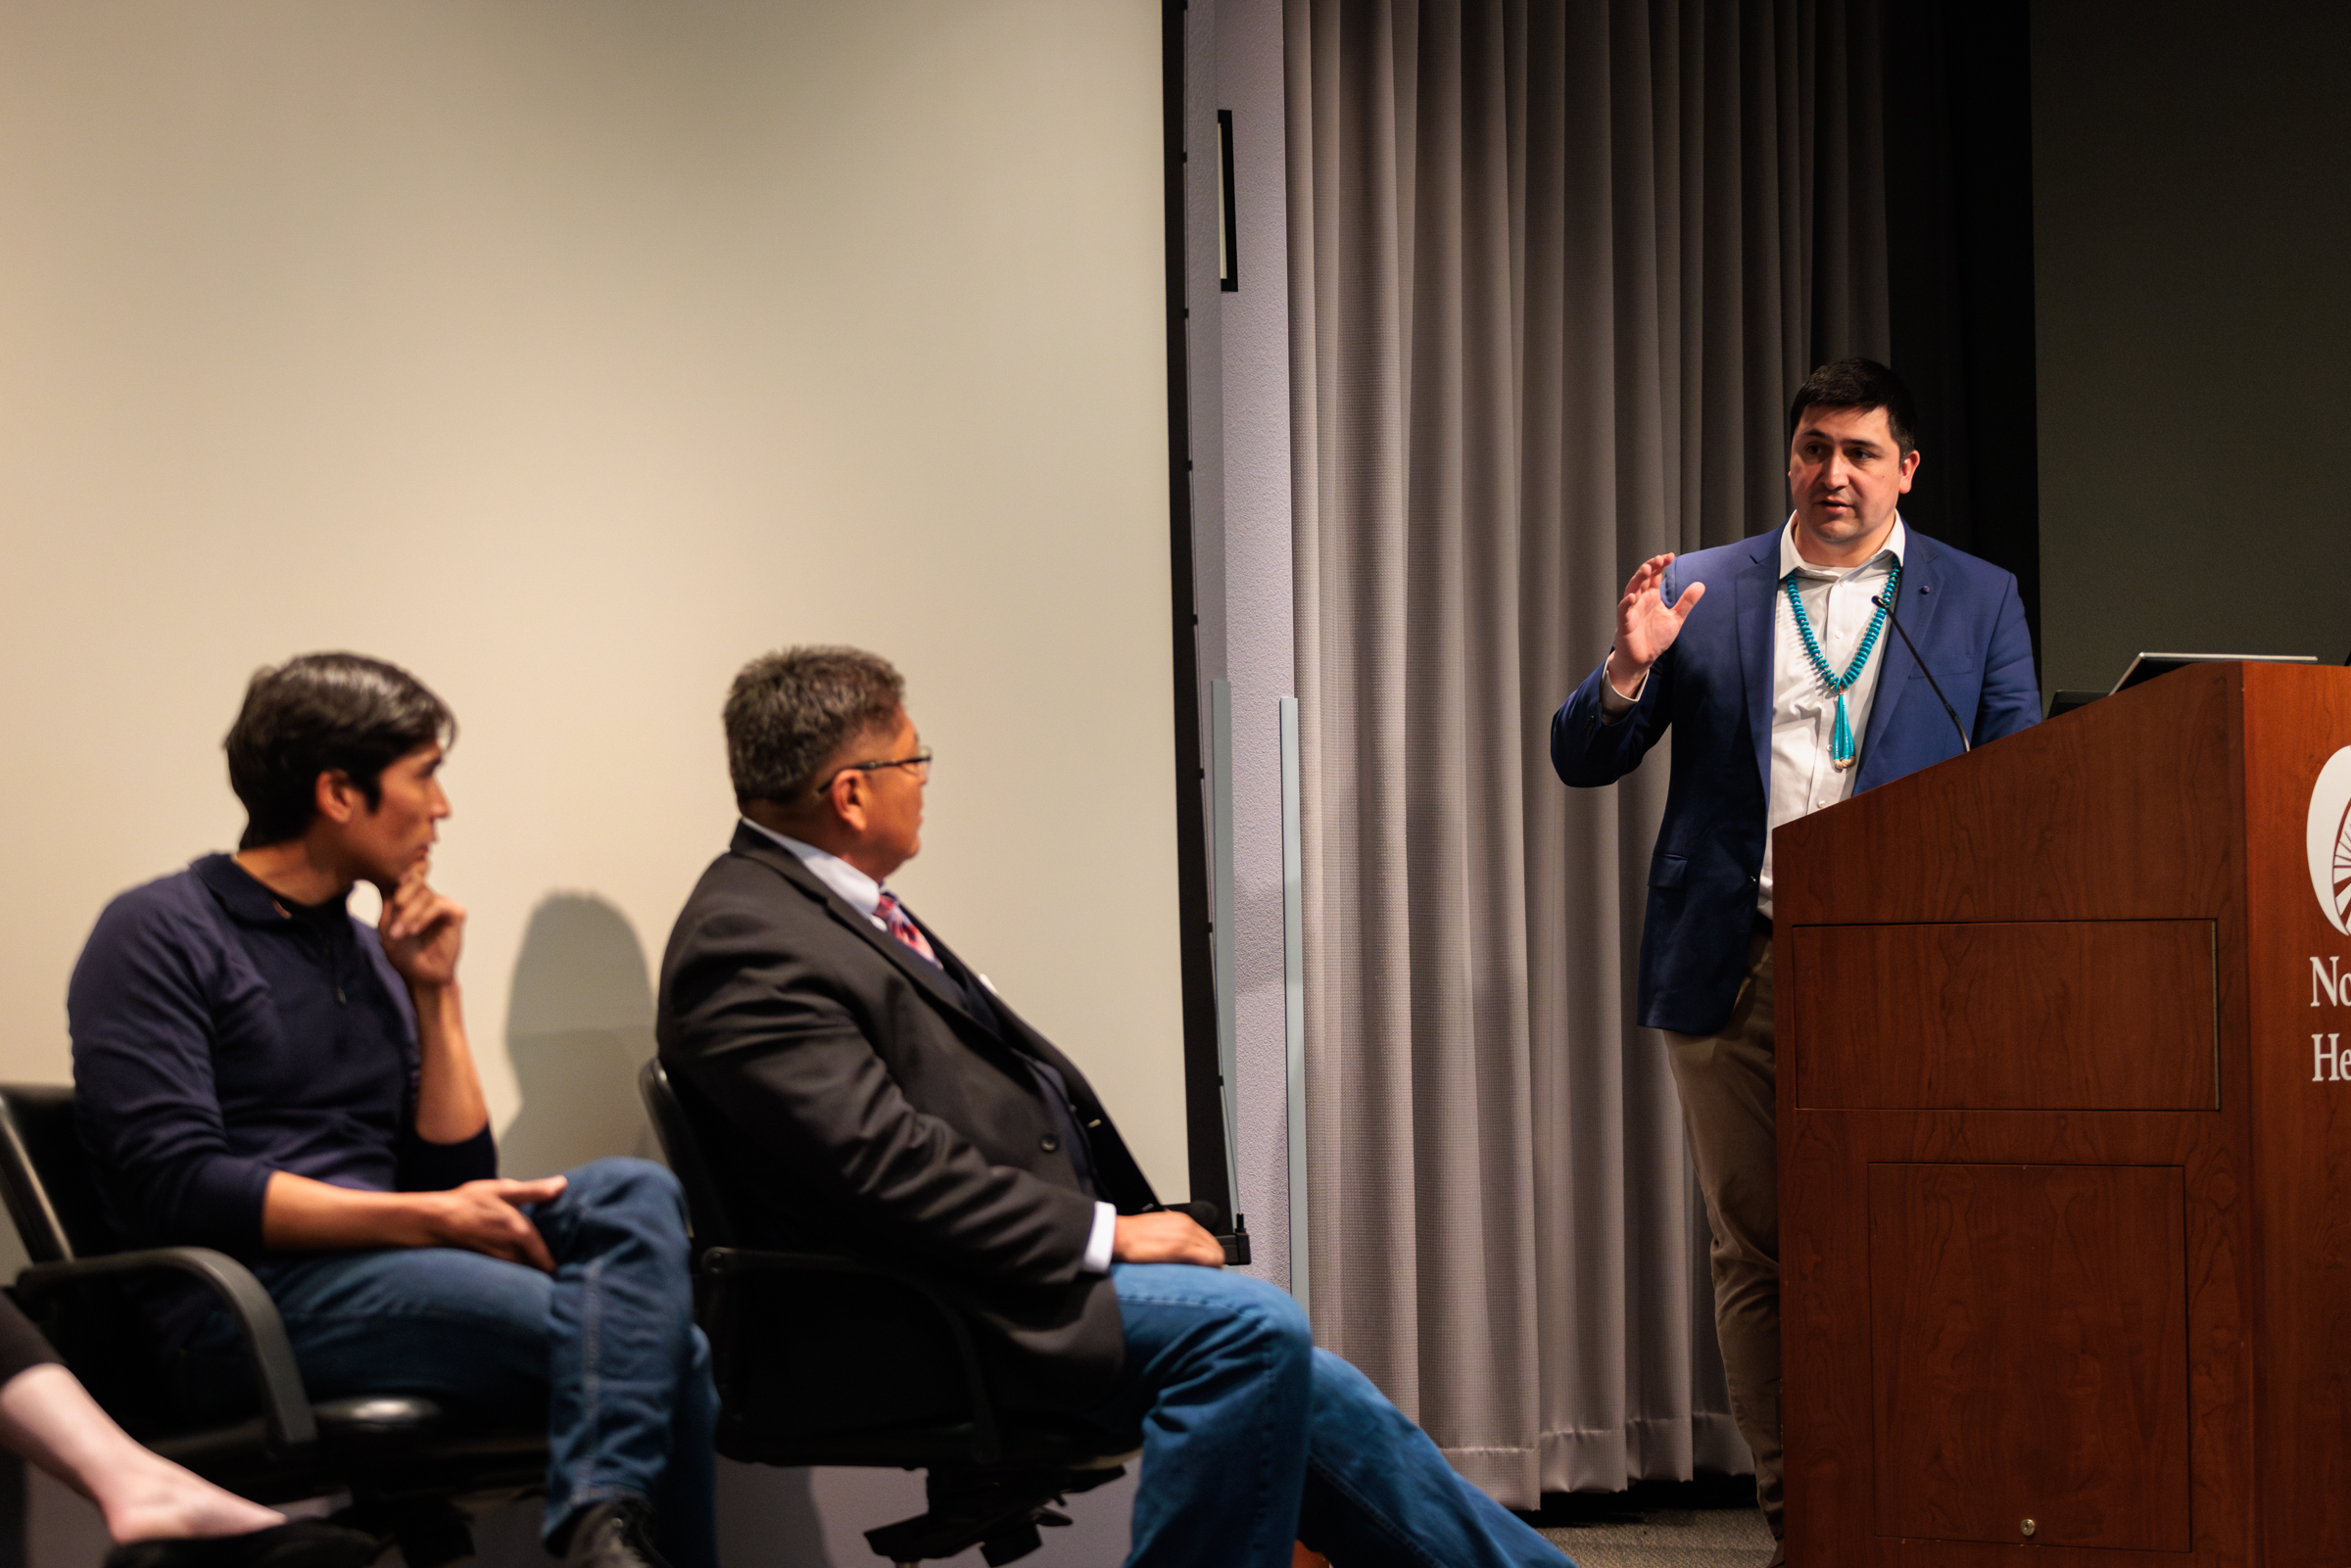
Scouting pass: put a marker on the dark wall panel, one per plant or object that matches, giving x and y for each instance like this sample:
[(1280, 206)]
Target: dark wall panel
[(2192, 180)]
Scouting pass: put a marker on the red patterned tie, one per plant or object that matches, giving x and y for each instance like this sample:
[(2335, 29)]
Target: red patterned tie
[(901, 926)]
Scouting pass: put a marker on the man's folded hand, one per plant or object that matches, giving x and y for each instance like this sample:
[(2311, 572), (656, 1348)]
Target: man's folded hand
[(1165, 1238), (486, 1217)]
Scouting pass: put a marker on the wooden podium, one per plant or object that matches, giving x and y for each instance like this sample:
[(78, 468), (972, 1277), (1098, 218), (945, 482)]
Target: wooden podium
[(2065, 1142)]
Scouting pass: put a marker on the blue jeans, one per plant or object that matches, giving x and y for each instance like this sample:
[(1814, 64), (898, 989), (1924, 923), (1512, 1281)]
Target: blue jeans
[(1252, 1438), (605, 1350)]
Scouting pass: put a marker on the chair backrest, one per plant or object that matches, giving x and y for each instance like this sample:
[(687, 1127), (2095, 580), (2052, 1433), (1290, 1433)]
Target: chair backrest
[(45, 1178), (705, 1199)]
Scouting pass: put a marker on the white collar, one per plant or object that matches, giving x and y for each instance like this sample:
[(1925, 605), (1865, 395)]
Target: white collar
[(858, 890), (1890, 553)]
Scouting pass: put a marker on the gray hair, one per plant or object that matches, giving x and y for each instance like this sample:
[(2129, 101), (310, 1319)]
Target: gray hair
[(788, 712)]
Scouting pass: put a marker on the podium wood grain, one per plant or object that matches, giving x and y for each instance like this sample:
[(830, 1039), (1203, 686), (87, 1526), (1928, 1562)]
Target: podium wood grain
[(2012, 1014), (2018, 1383), (2065, 1223)]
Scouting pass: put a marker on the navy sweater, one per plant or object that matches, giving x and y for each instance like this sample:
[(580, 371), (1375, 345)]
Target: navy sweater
[(221, 1035)]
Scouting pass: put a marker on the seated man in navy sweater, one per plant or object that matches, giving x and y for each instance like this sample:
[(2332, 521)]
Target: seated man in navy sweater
[(258, 1072)]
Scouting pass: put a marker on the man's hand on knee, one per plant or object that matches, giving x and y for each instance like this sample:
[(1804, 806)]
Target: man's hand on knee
[(486, 1217), (299, 1215), (1163, 1238)]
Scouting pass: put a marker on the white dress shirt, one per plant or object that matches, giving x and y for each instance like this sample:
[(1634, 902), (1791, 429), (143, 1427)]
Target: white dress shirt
[(864, 895), (1803, 710)]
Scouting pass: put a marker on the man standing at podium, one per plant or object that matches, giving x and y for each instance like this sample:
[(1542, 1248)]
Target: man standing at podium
[(1787, 692)]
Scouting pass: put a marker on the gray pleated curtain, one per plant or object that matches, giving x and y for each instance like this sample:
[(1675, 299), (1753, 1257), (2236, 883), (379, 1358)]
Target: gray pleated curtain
[(1556, 265)]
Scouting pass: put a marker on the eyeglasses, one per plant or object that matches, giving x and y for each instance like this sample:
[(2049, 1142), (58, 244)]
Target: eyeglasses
[(920, 761)]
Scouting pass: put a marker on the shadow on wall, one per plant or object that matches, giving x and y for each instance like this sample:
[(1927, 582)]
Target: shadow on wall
[(579, 1023)]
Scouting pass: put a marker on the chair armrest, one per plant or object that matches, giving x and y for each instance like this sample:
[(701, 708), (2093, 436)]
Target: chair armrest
[(285, 1405), (723, 1263)]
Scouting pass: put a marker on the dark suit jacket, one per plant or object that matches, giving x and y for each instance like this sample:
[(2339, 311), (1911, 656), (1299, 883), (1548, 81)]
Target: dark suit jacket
[(1713, 687), (869, 1104)]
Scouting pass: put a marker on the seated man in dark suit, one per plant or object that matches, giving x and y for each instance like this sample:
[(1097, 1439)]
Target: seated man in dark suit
[(872, 1094)]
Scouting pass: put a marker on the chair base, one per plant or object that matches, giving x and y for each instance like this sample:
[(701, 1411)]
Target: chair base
[(998, 1510)]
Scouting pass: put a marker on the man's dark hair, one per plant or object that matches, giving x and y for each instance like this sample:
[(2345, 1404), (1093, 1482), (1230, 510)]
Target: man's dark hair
[(1862, 384), (788, 712), (323, 713)]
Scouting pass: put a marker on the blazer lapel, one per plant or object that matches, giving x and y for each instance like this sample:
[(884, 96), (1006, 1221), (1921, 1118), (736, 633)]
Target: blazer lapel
[(991, 1014), (1757, 588), (1011, 1035), (787, 864), (1116, 1175), (1915, 601)]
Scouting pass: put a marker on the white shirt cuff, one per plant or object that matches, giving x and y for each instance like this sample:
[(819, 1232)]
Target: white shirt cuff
[(1097, 1246), (1614, 704)]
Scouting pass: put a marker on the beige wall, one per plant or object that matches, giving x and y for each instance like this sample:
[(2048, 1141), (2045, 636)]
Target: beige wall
[(569, 352)]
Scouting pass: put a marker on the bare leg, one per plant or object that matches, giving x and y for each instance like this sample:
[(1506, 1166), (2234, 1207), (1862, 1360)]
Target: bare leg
[(46, 1416)]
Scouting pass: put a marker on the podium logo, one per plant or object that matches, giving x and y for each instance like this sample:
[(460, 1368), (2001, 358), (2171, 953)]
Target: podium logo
[(2330, 840)]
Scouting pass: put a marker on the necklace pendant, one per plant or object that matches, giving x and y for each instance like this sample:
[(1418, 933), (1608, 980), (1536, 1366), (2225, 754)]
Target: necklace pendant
[(1842, 763)]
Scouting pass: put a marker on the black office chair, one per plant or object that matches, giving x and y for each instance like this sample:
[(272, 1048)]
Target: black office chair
[(401, 1456), (826, 1360)]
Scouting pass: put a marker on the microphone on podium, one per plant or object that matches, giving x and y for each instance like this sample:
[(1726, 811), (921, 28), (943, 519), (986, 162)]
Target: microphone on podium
[(1879, 600)]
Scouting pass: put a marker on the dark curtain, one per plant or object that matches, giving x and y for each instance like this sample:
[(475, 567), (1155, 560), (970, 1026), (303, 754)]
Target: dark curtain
[(1959, 273)]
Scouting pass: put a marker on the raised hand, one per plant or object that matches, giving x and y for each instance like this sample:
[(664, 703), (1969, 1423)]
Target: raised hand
[(1646, 624), (486, 1217), (422, 931)]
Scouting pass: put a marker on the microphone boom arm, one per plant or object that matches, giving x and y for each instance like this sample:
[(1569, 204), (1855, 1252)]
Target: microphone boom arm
[(1892, 620)]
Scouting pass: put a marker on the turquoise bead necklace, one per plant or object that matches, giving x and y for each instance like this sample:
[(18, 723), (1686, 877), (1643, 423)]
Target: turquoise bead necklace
[(1840, 738)]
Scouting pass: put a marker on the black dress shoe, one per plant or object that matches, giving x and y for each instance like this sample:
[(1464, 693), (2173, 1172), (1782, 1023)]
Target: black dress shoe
[(297, 1544), (613, 1535)]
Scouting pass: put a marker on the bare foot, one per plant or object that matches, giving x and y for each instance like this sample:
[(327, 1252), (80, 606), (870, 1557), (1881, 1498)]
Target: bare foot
[(48, 1417), (159, 1501)]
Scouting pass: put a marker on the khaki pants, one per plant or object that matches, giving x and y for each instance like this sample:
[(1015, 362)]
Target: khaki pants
[(1725, 1079)]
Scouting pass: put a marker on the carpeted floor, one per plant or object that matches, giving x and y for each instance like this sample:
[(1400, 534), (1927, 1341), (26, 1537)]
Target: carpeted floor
[(1673, 1537), (1708, 1523)]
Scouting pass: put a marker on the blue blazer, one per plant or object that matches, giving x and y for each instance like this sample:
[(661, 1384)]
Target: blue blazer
[(1714, 686)]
